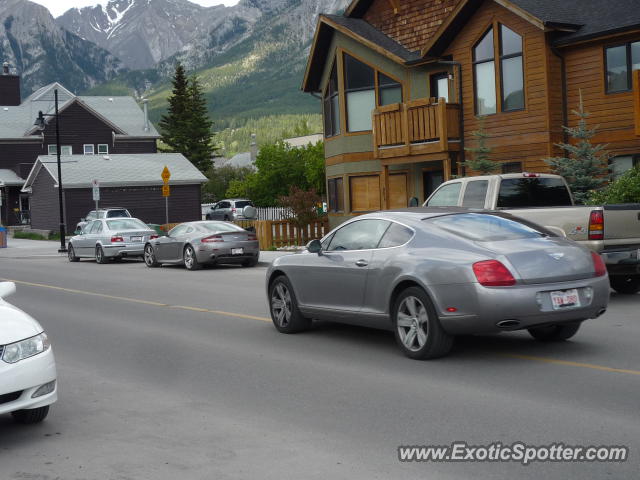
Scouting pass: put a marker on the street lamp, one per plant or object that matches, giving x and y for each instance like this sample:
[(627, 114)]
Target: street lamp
[(40, 123)]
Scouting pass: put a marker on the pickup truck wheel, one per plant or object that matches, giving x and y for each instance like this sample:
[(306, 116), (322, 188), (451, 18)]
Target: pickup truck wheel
[(625, 285), (555, 333)]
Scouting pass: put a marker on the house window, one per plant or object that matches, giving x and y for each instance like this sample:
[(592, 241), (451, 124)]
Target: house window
[(484, 69), (360, 94), (440, 86), (88, 149), (620, 165), (336, 195), (511, 70), (331, 106), (510, 52), (389, 91), (621, 60), (364, 193), (65, 150), (512, 167), (103, 149)]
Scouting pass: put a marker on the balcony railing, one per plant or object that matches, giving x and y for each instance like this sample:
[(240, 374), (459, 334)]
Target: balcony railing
[(418, 127)]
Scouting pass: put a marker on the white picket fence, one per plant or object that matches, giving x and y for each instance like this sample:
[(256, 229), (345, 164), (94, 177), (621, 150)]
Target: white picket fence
[(264, 213)]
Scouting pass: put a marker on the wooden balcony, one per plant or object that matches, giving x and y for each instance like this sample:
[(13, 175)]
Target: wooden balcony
[(426, 127)]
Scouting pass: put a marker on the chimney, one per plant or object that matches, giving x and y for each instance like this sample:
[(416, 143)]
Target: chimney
[(9, 88), (145, 105)]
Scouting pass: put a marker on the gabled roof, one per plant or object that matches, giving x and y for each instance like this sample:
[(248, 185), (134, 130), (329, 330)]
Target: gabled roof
[(360, 31), (574, 20), (9, 178), (357, 8), (122, 114), (119, 170)]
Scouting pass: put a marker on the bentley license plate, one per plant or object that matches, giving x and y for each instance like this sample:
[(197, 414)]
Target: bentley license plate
[(237, 251), (564, 299)]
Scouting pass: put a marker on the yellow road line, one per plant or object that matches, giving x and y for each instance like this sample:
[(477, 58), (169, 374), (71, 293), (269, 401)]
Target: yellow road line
[(572, 364), (137, 300), (265, 319)]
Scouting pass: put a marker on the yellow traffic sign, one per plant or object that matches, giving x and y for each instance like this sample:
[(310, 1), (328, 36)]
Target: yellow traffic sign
[(166, 191), (166, 174)]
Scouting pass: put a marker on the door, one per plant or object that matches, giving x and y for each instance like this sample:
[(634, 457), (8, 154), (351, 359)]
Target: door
[(430, 181), (440, 86), (336, 279), (169, 248), (85, 243), (398, 190)]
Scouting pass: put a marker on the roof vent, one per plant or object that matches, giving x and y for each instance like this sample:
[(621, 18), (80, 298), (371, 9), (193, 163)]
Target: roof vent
[(5, 68)]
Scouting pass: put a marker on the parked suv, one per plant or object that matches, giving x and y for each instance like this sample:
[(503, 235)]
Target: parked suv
[(233, 209), (111, 212)]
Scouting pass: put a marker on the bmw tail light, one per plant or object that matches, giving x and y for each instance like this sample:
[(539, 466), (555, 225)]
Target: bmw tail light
[(596, 225), (212, 239), (598, 264), (117, 239), (492, 273)]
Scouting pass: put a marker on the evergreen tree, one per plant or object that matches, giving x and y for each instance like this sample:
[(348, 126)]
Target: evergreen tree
[(186, 128), (481, 161), (586, 166)]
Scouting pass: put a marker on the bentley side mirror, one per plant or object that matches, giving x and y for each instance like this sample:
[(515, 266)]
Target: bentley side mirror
[(314, 246)]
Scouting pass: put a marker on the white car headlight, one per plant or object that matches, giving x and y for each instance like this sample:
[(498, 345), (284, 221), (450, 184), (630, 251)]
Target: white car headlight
[(29, 347)]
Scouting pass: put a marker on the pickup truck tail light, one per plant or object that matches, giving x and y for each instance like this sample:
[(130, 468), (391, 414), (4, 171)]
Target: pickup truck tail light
[(117, 239), (492, 273), (598, 264), (530, 175), (596, 225), (213, 239)]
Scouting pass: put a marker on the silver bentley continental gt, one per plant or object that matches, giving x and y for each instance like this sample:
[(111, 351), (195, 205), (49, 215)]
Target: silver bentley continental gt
[(429, 274), (195, 244)]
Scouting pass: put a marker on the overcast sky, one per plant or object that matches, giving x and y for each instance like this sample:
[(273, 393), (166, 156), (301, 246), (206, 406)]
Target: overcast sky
[(58, 7)]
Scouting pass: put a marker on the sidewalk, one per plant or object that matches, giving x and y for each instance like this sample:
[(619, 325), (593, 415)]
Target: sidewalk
[(19, 247)]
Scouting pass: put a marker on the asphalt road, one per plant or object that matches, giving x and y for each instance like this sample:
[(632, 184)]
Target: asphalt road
[(169, 374)]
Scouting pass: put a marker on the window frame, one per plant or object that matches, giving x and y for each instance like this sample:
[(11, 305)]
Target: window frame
[(495, 27), (336, 130), (84, 149), (433, 82), (380, 87), (330, 197), (53, 146), (103, 145), (629, 58)]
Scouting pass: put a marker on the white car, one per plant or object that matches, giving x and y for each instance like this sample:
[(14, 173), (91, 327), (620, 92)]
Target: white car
[(27, 367)]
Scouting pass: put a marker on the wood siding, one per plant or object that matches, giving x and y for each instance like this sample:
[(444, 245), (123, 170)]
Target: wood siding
[(45, 203), (520, 136), (414, 23), (612, 113)]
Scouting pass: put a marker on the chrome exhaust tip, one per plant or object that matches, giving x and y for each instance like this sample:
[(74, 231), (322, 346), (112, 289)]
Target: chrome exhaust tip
[(508, 324)]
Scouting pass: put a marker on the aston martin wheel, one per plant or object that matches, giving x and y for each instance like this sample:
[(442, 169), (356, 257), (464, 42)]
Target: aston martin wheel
[(283, 307), (190, 260), (417, 327), (71, 253), (150, 259)]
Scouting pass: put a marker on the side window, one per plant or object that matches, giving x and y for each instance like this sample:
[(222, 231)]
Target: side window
[(395, 236), (359, 235), (326, 242), (94, 226), (99, 228), (223, 205), (446, 196), (475, 194), (177, 231)]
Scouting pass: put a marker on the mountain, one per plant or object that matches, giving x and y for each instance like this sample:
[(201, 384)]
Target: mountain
[(250, 66), (42, 52), (144, 32)]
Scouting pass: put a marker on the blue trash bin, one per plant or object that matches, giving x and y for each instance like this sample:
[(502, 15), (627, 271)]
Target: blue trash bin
[(3, 237)]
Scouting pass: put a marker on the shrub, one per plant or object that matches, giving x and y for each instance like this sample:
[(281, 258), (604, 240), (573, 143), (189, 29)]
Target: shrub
[(625, 189)]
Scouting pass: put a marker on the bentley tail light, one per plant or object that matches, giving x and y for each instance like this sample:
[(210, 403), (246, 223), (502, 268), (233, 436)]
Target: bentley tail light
[(492, 273), (598, 264)]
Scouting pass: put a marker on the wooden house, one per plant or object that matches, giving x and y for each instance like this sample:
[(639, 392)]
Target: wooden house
[(404, 84)]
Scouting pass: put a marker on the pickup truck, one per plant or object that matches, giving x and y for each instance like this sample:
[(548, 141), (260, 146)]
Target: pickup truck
[(613, 231)]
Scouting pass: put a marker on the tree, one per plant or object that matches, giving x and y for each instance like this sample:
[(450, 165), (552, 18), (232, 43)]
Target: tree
[(220, 179), (303, 205), (586, 166), (625, 189), (481, 161), (187, 128)]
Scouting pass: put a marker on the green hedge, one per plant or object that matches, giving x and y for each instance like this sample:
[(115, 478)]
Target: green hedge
[(625, 189)]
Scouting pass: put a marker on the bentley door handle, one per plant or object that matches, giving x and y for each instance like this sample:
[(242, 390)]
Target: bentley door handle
[(362, 263)]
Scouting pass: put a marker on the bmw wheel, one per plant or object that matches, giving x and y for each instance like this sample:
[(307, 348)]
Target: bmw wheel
[(190, 260), (417, 327), (100, 258), (72, 254), (150, 257), (283, 307)]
